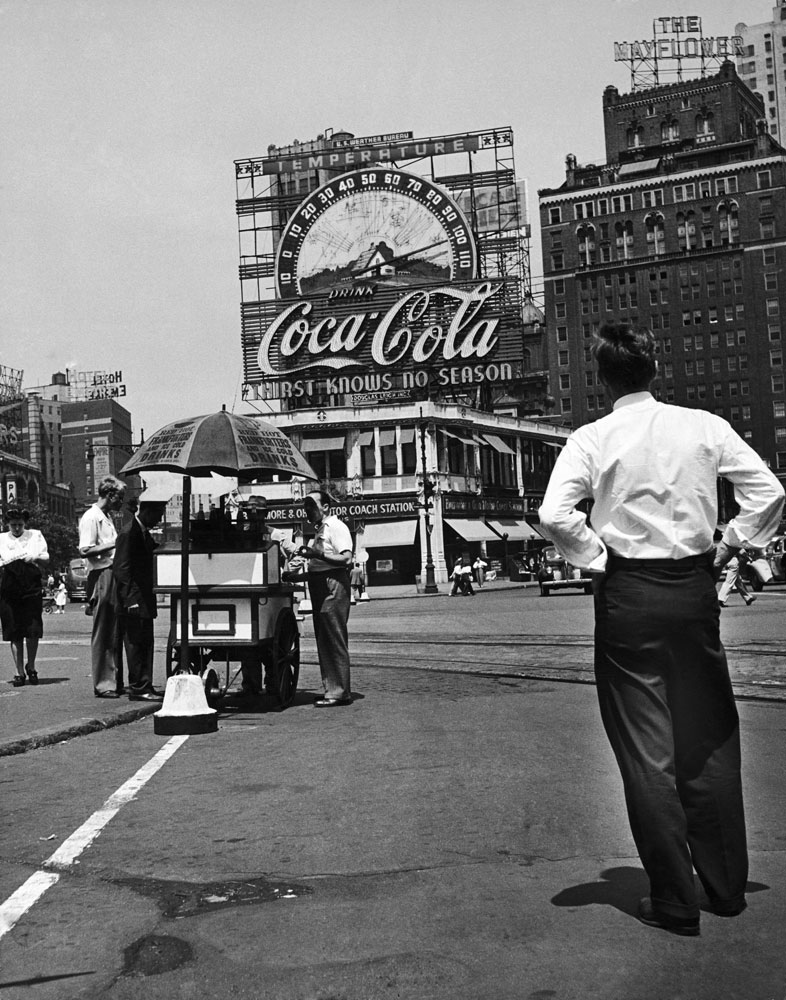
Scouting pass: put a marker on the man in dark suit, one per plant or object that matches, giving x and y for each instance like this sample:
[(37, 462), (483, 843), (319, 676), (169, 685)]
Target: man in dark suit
[(134, 574)]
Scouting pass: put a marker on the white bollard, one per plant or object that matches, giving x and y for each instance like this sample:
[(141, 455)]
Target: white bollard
[(185, 711)]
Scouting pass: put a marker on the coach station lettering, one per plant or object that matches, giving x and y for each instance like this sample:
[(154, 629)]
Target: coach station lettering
[(370, 509), (405, 333)]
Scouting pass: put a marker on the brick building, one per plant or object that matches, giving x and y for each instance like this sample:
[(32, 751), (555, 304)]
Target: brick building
[(683, 229)]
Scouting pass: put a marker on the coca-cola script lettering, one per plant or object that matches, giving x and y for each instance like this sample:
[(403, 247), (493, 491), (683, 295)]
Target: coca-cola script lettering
[(406, 332)]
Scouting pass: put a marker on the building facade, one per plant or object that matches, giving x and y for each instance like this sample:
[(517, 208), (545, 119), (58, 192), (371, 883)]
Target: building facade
[(683, 229), (762, 66), (389, 330)]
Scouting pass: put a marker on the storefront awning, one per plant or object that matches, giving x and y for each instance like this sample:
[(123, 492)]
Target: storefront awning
[(387, 437), (465, 438), (499, 445), (323, 444), (638, 167), (472, 531), (365, 438), (407, 435), (381, 534), (517, 531)]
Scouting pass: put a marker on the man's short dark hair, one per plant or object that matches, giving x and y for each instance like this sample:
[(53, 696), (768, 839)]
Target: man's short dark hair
[(625, 356)]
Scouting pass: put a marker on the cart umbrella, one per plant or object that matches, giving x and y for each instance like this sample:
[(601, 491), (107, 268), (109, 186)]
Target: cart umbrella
[(216, 442)]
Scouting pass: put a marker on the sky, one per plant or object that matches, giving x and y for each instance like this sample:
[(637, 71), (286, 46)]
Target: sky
[(121, 121)]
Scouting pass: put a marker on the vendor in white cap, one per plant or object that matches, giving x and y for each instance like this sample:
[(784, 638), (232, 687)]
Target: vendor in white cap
[(329, 558)]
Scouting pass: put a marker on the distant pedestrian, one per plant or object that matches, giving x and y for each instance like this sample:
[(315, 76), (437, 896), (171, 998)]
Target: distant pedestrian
[(97, 538), (356, 581), (23, 552), (61, 597), (480, 571), (734, 582), (465, 578), (661, 673), (458, 568)]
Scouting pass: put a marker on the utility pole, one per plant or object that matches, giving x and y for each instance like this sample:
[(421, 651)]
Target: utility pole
[(428, 492)]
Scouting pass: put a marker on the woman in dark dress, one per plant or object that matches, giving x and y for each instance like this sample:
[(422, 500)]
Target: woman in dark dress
[(23, 552)]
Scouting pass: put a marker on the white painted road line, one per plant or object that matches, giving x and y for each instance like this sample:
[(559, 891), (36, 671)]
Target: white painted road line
[(17, 904)]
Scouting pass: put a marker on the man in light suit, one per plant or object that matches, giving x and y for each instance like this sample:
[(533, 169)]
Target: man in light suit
[(134, 575)]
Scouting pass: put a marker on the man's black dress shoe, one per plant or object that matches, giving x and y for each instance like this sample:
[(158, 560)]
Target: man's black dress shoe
[(685, 926), (107, 694), (331, 702), (146, 696)]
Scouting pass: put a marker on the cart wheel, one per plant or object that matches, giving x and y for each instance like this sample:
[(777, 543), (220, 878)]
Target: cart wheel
[(213, 692), (286, 658)]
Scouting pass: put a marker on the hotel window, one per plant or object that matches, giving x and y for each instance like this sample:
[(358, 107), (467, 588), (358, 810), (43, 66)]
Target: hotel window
[(564, 381), (705, 189), (780, 434), (563, 357), (773, 307), (560, 310), (767, 228), (745, 388), (603, 206), (555, 216), (743, 359), (771, 282), (623, 234), (586, 240), (590, 402), (656, 234), (726, 185), (559, 286), (712, 313), (774, 331), (700, 366), (697, 317), (690, 368), (566, 404), (735, 414), (746, 413), (562, 333), (763, 179), (740, 310), (728, 314), (668, 370), (714, 340), (740, 336), (698, 343), (589, 378), (776, 359), (666, 345), (729, 222), (557, 261), (717, 389), (768, 257), (670, 130), (716, 366), (686, 317), (584, 210), (731, 362), (690, 391), (664, 296), (780, 460), (702, 390), (777, 383), (779, 408), (666, 320), (622, 203), (652, 199), (409, 449)]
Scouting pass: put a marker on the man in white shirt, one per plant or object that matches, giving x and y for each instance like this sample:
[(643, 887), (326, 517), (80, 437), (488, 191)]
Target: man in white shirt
[(663, 684), (329, 558), (97, 537)]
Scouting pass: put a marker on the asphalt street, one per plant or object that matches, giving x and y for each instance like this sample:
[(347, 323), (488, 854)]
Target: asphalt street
[(458, 832)]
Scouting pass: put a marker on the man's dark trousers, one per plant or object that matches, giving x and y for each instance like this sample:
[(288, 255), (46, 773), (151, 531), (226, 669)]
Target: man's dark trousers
[(668, 709)]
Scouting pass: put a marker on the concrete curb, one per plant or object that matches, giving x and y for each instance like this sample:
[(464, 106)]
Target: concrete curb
[(69, 730)]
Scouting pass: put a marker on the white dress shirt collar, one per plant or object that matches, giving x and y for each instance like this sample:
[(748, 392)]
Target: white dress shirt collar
[(633, 397)]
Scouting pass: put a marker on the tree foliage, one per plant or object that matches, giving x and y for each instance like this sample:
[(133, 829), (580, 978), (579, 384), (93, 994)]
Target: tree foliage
[(62, 537)]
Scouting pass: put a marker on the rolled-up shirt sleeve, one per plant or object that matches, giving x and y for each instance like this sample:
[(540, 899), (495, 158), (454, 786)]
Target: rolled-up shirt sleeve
[(757, 492), (567, 527)]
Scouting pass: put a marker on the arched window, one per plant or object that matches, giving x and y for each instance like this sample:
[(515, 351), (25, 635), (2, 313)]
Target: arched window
[(634, 135), (728, 221), (656, 234), (669, 129), (623, 236), (686, 230), (586, 238), (705, 125)]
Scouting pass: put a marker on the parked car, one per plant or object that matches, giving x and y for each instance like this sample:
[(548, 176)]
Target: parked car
[(556, 573), (76, 580)]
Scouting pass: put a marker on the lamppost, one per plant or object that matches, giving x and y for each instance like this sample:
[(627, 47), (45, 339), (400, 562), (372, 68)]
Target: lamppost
[(428, 492)]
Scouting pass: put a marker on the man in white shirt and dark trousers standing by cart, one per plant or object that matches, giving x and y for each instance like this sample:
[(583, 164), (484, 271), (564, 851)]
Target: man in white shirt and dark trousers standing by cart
[(663, 683), (329, 558), (97, 538)]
